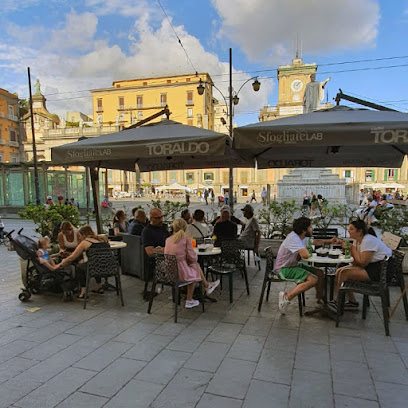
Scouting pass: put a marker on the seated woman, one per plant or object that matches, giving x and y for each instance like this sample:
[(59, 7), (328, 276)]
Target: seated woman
[(67, 239), (44, 256), (88, 239), (368, 251), (120, 225), (189, 269)]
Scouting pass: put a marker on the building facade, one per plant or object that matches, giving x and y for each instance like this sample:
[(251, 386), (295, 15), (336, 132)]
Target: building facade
[(9, 127)]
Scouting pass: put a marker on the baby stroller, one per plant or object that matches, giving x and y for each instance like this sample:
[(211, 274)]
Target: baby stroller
[(37, 278)]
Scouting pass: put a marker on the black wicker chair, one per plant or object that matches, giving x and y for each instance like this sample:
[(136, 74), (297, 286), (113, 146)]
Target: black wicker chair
[(232, 260), (367, 288), (271, 276), (166, 273), (103, 263), (398, 277)]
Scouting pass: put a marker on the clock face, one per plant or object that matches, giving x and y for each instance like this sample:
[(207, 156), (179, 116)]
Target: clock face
[(296, 85)]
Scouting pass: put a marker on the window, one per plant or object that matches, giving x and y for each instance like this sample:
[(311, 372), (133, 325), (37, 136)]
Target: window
[(155, 177), (225, 177), (208, 176), (190, 112), (144, 83), (100, 119), (190, 98), (190, 178), (11, 110), (391, 174), (121, 101), (173, 177), (348, 175), (13, 159), (140, 115), (121, 117), (244, 177), (99, 104), (369, 175), (169, 81), (163, 99), (1, 157), (139, 101), (12, 135)]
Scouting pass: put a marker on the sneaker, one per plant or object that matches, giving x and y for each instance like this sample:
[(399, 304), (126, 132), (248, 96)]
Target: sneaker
[(212, 286), (349, 305), (191, 303), (283, 302)]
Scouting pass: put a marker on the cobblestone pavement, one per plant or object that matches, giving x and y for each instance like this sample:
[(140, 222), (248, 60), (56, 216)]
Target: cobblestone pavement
[(55, 354)]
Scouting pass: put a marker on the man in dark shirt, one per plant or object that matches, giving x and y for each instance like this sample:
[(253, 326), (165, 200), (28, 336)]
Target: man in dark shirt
[(154, 237), (224, 228), (232, 218), (138, 224)]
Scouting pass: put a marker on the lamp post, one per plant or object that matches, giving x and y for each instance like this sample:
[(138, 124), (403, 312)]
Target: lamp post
[(233, 100)]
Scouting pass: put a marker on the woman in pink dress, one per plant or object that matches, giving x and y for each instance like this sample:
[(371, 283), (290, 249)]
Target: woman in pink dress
[(189, 269)]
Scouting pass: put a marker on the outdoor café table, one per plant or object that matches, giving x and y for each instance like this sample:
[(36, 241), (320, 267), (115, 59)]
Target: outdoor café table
[(326, 262)]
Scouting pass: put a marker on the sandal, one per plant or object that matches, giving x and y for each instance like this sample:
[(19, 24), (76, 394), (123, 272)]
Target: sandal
[(98, 291), (349, 305), (81, 297)]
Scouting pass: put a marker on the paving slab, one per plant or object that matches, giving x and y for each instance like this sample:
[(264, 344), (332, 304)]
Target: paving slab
[(262, 394), (247, 347), (148, 348), (212, 401), (207, 357), (275, 366), (343, 401), (225, 333), (82, 400)]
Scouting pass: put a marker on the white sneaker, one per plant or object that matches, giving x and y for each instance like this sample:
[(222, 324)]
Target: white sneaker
[(283, 302), (191, 303), (212, 286)]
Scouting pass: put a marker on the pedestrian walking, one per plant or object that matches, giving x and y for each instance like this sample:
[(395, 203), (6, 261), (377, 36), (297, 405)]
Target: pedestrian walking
[(253, 196)]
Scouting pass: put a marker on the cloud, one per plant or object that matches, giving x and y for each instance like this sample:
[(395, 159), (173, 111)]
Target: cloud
[(149, 52), (128, 8), (264, 29)]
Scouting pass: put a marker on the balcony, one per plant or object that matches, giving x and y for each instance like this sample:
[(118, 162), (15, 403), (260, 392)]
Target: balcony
[(13, 144), (2, 142), (121, 107), (189, 103), (13, 117), (99, 109)]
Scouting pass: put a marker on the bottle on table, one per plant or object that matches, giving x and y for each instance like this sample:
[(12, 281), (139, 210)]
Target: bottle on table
[(193, 242), (310, 247), (347, 249)]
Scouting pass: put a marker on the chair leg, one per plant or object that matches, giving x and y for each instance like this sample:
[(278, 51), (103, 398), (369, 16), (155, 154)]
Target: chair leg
[(119, 286), (86, 289), (300, 304), (265, 282), (268, 291), (303, 299), (366, 303), (331, 283), (340, 306), (386, 316), (249, 254), (401, 283), (149, 309), (230, 287), (202, 291), (246, 280), (116, 285), (176, 302)]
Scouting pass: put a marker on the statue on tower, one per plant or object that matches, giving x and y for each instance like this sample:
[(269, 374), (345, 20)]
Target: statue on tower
[(37, 87), (314, 94)]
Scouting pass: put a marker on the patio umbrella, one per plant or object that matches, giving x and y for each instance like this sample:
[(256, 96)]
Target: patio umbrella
[(165, 145), (336, 137)]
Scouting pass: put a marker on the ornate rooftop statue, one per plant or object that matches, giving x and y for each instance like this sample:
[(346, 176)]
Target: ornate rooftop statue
[(314, 94)]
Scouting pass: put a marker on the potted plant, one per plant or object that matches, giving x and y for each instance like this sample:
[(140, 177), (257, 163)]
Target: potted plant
[(275, 221), (395, 221)]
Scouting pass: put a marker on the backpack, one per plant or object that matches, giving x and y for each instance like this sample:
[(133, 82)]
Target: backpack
[(104, 204)]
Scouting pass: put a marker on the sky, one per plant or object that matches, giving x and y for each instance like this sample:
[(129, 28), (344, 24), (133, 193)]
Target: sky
[(73, 46)]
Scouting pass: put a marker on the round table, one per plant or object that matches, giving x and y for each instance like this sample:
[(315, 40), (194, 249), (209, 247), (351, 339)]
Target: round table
[(326, 262), (117, 244), (208, 252)]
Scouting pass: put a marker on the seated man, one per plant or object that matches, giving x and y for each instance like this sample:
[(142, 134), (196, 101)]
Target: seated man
[(291, 251), (154, 237), (224, 228), (186, 216), (198, 228), (251, 233), (232, 218), (138, 224)]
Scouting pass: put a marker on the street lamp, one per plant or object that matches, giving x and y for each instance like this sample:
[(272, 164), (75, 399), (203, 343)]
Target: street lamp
[(233, 100)]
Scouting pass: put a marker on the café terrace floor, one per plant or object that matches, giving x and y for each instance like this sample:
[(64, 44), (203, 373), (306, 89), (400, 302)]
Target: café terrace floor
[(55, 354)]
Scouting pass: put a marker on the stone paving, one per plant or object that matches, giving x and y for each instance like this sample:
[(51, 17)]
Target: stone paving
[(230, 356)]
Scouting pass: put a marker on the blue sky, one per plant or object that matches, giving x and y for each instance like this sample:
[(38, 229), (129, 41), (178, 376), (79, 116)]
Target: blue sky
[(76, 45)]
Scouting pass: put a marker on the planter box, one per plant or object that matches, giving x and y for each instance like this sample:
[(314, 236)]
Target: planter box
[(275, 243)]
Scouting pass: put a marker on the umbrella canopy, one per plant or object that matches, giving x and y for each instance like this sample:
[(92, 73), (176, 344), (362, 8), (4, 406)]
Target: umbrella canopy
[(172, 187), (337, 137), (377, 186), (158, 146)]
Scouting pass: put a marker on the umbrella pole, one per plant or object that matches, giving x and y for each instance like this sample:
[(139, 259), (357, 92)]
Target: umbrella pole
[(95, 195)]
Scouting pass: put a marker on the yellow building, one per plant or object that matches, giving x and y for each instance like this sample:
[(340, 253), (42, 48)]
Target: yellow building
[(9, 127)]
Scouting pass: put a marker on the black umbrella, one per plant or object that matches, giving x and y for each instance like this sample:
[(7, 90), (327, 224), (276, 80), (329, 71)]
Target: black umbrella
[(337, 137)]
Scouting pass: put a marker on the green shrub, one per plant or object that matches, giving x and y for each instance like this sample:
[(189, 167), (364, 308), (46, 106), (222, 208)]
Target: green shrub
[(169, 209), (277, 217), (395, 221)]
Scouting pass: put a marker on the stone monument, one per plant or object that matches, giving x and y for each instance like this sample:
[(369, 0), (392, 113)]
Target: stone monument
[(314, 94), (316, 181)]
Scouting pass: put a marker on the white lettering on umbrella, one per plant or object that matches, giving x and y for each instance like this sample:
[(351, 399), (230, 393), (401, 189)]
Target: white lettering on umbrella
[(390, 136), (168, 149), (288, 137), (85, 153)]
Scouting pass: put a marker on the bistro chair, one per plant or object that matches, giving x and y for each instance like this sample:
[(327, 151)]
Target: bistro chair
[(395, 271), (257, 259), (232, 260), (367, 288), (272, 276), (166, 272), (103, 263)]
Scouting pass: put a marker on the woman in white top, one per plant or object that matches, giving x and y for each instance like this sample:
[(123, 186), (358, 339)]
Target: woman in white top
[(368, 251), (67, 239)]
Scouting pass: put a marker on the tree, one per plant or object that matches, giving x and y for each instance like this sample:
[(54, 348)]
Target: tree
[(169, 209), (23, 106), (277, 217)]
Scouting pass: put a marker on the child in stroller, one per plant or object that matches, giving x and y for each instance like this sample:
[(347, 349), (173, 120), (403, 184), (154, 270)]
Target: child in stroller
[(36, 276), (43, 255)]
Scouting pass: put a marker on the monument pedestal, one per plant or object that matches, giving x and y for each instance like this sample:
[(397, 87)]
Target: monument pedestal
[(317, 181)]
